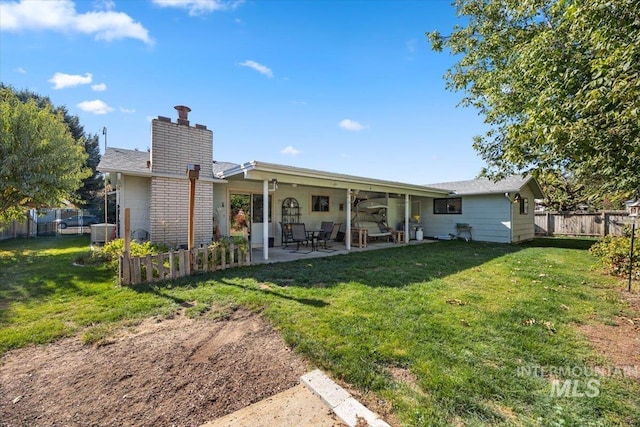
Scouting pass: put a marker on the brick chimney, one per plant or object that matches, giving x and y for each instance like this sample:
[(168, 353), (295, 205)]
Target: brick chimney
[(183, 114)]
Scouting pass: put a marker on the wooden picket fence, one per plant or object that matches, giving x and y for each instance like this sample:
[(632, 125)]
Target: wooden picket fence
[(180, 263)]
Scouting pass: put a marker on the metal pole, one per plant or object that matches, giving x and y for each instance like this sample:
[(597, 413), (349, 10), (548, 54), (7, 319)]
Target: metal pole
[(106, 229), (633, 235), (106, 220)]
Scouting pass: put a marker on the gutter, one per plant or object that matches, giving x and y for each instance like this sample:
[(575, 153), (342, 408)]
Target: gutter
[(508, 197), (311, 173)]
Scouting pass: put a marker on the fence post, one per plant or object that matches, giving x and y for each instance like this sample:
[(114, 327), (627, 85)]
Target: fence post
[(161, 266), (548, 225), (148, 266), (186, 262), (172, 265), (205, 258), (126, 263)]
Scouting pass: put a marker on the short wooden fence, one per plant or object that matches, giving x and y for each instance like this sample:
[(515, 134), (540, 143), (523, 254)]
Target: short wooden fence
[(180, 263)]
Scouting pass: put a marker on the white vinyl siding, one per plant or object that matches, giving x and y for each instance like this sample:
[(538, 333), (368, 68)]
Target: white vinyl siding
[(523, 224), (488, 216), (135, 194)]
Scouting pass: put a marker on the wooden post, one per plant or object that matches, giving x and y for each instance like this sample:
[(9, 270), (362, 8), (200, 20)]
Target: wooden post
[(192, 199), (193, 173)]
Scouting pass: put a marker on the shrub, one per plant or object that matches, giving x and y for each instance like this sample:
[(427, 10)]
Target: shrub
[(110, 252), (613, 252)]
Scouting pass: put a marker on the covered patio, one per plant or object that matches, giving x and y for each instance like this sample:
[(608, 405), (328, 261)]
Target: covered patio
[(299, 195)]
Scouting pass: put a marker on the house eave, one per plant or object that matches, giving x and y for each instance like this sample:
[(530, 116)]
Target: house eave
[(261, 170), (150, 174)]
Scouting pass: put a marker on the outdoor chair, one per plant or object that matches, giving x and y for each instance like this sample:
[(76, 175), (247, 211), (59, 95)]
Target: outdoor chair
[(335, 230), (299, 236), (286, 234), (326, 230)]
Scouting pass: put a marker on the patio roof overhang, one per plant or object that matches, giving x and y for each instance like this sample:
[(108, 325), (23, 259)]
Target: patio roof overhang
[(261, 171), (184, 177)]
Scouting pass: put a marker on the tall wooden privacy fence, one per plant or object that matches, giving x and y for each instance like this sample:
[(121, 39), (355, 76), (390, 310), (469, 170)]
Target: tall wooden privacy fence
[(580, 224), (180, 263)]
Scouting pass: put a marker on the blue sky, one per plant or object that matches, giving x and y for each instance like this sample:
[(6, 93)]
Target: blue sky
[(343, 86)]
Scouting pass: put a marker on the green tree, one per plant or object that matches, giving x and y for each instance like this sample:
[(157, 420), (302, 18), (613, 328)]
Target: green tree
[(558, 83), (561, 191), (90, 193), (40, 162)]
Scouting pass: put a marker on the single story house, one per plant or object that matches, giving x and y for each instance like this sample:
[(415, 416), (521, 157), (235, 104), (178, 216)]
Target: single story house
[(154, 186), (485, 210)]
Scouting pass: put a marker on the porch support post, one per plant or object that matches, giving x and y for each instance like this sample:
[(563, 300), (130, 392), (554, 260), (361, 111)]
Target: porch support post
[(406, 217), (347, 231), (265, 219)]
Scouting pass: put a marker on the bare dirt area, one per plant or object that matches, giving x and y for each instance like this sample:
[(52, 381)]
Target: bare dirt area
[(177, 371), (620, 341)]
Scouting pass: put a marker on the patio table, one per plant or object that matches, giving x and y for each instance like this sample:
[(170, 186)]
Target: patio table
[(313, 236)]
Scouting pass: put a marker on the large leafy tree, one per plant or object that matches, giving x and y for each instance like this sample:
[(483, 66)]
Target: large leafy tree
[(41, 164), (90, 193), (558, 83)]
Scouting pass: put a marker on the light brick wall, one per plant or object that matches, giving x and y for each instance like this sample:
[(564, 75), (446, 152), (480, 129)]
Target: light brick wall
[(174, 146), (169, 213)]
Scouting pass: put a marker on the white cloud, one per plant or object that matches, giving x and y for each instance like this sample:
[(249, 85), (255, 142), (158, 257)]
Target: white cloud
[(100, 87), (62, 80), (351, 125), (200, 7), (61, 15), (262, 69), (290, 151), (127, 110), (20, 70), (96, 107)]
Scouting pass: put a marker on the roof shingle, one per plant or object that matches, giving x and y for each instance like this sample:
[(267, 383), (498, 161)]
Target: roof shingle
[(486, 186), (121, 160)]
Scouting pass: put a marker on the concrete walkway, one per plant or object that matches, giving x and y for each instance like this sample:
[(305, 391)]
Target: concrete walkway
[(317, 401)]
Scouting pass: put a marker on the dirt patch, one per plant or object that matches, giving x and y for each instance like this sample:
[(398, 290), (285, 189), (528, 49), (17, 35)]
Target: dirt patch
[(178, 371), (619, 341)]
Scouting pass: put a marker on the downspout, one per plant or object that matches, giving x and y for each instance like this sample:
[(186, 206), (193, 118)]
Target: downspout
[(510, 216), (117, 233), (265, 219)]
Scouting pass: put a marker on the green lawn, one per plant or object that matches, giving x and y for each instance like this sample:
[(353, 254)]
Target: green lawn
[(468, 325)]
